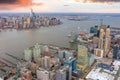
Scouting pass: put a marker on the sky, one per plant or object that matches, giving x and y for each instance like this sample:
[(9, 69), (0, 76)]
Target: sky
[(63, 6)]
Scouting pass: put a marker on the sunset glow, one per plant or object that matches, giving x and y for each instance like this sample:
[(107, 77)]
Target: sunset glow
[(99, 6)]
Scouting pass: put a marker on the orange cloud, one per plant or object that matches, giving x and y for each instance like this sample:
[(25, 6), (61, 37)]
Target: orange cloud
[(13, 4), (98, 1)]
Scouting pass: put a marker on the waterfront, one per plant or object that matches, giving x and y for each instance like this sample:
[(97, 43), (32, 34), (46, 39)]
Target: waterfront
[(14, 42)]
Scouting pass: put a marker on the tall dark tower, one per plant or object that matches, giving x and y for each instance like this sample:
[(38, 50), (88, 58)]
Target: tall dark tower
[(32, 14)]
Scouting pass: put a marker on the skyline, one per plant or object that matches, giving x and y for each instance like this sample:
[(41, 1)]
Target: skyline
[(63, 6)]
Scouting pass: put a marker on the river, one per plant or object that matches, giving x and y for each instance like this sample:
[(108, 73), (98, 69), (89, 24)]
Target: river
[(15, 41)]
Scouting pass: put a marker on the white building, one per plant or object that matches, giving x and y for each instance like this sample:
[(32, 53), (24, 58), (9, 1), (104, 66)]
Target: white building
[(28, 54), (43, 74)]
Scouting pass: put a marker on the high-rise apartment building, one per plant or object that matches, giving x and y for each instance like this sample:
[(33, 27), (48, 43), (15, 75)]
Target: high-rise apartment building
[(82, 59)]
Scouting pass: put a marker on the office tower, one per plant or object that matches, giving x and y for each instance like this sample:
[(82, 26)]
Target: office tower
[(98, 52), (116, 48), (108, 32), (91, 59), (101, 38), (45, 62), (68, 72), (13, 20), (28, 54), (61, 54), (3, 22), (22, 20), (46, 51), (28, 22), (71, 62), (32, 15), (64, 54), (36, 51), (94, 30), (42, 74), (107, 41), (64, 73), (60, 74), (82, 58), (24, 25), (16, 24)]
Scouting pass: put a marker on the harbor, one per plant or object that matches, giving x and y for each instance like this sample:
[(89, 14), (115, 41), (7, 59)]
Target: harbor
[(80, 63)]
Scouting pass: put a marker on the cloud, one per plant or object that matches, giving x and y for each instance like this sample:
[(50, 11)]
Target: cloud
[(8, 1), (13, 4), (98, 1), (66, 5)]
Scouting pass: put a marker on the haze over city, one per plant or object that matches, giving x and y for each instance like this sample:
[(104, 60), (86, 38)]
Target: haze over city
[(59, 39), (65, 6)]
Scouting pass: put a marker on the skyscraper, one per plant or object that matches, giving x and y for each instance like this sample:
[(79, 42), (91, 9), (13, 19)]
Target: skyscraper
[(104, 39), (42, 74), (71, 62), (32, 14), (46, 50), (115, 51), (82, 60), (36, 51), (107, 41), (45, 62), (64, 73), (28, 54), (101, 38)]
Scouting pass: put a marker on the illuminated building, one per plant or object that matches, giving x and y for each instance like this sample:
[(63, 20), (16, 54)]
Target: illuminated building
[(82, 60)]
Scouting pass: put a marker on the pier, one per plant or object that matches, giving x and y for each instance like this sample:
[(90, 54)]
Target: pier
[(115, 28), (14, 57), (9, 62)]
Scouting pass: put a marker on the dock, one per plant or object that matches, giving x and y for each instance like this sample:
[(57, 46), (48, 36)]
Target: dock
[(55, 47), (14, 57), (4, 64), (9, 62)]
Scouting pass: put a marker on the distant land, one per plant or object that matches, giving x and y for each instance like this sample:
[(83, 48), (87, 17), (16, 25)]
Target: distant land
[(61, 14)]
